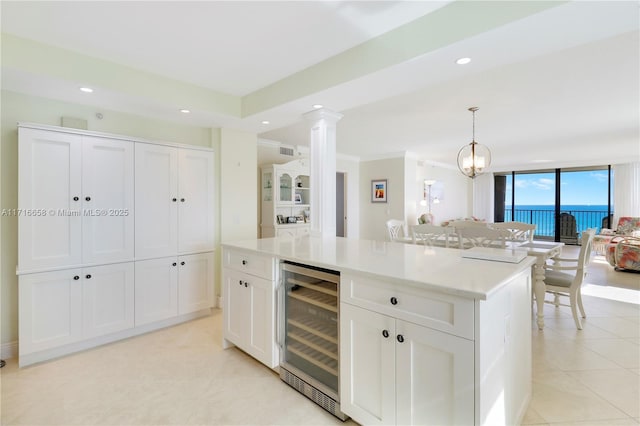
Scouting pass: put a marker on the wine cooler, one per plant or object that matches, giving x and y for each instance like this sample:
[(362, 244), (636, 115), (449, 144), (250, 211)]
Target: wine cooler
[(308, 333)]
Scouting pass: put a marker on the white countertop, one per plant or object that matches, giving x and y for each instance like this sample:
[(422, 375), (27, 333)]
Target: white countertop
[(441, 269)]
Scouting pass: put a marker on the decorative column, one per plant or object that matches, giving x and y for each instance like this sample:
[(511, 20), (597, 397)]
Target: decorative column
[(322, 156)]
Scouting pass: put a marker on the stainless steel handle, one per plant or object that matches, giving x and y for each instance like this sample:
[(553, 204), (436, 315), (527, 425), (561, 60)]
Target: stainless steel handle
[(279, 321)]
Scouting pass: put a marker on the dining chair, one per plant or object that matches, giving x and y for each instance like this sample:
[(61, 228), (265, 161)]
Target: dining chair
[(518, 231), (395, 229), (475, 236), (432, 235), (561, 283)]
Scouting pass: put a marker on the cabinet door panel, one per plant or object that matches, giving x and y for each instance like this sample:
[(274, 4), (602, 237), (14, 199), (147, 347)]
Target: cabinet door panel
[(236, 308), (108, 295), (50, 310), (195, 283), (367, 363), (435, 377), (107, 197), (156, 290), (195, 215), (262, 334), (156, 214), (49, 179)]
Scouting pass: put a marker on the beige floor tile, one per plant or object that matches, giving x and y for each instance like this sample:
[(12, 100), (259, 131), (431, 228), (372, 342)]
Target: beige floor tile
[(627, 327), (562, 355), (618, 387), (557, 397), (613, 422), (620, 351), (531, 417)]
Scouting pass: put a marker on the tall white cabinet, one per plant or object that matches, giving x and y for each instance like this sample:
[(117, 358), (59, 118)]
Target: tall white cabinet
[(175, 195), (116, 237)]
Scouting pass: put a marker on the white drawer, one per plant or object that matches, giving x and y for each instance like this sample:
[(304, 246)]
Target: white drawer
[(439, 311), (249, 262)]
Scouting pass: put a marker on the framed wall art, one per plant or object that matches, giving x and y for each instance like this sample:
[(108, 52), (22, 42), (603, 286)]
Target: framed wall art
[(379, 191)]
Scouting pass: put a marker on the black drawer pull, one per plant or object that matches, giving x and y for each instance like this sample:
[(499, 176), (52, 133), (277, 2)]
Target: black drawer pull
[(76, 198), (400, 338), (182, 200), (244, 262), (394, 301), (240, 282), (182, 263), (88, 276), (174, 199), (174, 264), (385, 333), (246, 284), (77, 277), (87, 198)]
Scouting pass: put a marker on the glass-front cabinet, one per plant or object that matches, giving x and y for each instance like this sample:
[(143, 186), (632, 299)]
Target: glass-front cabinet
[(285, 199)]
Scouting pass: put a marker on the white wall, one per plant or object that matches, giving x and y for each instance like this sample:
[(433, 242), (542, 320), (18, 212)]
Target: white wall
[(373, 216), (455, 191), (239, 191)]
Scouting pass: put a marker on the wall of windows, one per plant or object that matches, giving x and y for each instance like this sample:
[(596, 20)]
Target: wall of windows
[(561, 202)]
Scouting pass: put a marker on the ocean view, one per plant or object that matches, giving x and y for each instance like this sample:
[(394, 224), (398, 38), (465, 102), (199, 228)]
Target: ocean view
[(587, 216)]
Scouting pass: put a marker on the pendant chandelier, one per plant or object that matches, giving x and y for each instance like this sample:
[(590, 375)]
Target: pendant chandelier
[(473, 158)]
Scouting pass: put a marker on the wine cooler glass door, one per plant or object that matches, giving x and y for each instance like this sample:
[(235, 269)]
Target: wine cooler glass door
[(311, 324)]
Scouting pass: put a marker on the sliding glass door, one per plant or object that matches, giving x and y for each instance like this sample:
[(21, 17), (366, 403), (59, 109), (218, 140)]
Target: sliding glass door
[(561, 202)]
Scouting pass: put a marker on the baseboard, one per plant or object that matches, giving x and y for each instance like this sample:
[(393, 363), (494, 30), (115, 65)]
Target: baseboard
[(9, 350)]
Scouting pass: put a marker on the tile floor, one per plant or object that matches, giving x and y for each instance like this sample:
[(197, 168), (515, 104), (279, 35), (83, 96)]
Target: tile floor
[(181, 375)]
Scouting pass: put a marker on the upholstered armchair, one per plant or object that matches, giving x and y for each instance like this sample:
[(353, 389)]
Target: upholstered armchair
[(624, 254), (627, 227)]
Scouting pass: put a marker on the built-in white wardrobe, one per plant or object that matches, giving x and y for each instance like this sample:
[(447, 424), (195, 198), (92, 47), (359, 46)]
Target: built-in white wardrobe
[(115, 236)]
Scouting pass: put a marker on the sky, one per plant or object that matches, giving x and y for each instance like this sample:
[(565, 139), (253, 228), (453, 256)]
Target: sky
[(576, 188)]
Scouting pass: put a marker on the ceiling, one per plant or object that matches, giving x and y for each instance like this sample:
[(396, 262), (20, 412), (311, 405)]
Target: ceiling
[(557, 84)]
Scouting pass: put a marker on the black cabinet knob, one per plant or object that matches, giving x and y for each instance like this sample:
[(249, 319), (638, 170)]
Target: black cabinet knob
[(88, 276), (400, 338), (240, 282), (87, 198), (182, 263), (394, 301), (246, 284), (174, 264), (76, 198), (77, 277), (182, 200), (174, 199), (244, 262), (385, 333)]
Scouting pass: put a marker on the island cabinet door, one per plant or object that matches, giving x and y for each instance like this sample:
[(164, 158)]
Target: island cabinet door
[(367, 363), (249, 320), (434, 377), (236, 307)]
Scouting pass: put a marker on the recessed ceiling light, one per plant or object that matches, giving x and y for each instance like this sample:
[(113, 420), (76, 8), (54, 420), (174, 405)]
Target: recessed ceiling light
[(185, 111), (86, 89), (317, 106), (463, 61), (265, 121)]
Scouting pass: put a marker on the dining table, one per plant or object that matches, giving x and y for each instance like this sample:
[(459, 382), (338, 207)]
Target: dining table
[(542, 251)]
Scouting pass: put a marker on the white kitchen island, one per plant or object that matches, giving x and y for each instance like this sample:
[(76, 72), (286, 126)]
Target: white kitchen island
[(426, 335)]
